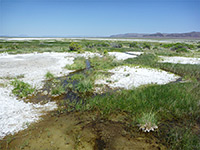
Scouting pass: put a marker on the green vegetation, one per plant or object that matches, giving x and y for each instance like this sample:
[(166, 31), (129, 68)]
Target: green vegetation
[(116, 45), (49, 75), (134, 45), (21, 89), (58, 90), (104, 63), (146, 45), (183, 139), (74, 46), (79, 63), (151, 60), (78, 77), (151, 104), (179, 47), (148, 121), (85, 86), (167, 101)]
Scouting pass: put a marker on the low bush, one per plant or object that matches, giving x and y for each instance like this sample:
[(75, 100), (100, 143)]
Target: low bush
[(116, 45), (146, 46), (134, 45), (74, 46)]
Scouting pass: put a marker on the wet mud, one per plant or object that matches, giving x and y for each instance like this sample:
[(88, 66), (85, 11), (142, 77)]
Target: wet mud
[(81, 131)]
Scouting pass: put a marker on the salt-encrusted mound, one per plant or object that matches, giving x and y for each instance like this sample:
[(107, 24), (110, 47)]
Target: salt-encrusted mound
[(180, 60), (129, 77), (15, 115), (123, 56)]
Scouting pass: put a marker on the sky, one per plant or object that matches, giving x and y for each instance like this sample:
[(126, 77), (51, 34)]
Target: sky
[(97, 17)]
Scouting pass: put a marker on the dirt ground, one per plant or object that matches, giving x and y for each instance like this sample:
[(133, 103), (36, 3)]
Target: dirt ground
[(81, 131)]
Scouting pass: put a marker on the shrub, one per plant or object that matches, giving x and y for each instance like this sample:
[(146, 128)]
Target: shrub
[(179, 47), (102, 44), (181, 50), (146, 46), (134, 45), (89, 45), (74, 46), (105, 52), (116, 45)]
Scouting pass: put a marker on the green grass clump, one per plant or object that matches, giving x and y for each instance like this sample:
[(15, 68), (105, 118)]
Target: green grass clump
[(21, 89), (58, 90), (144, 59), (49, 75), (148, 122), (79, 63), (85, 86), (104, 63)]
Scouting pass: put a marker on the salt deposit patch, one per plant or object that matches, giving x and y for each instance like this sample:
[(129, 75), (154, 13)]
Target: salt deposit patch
[(123, 56), (34, 66), (180, 60), (15, 115), (129, 77)]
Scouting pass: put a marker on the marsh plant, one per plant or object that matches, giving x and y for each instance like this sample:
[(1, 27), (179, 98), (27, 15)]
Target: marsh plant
[(148, 122), (85, 86), (79, 63), (58, 90), (49, 75), (77, 77), (21, 89)]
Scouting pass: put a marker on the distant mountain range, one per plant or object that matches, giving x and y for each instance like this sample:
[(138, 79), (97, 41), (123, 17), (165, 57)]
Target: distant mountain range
[(193, 35)]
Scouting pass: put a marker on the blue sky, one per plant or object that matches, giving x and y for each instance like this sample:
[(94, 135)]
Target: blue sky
[(97, 17)]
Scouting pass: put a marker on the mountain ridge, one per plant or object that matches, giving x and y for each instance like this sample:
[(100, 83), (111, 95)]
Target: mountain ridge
[(159, 35)]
